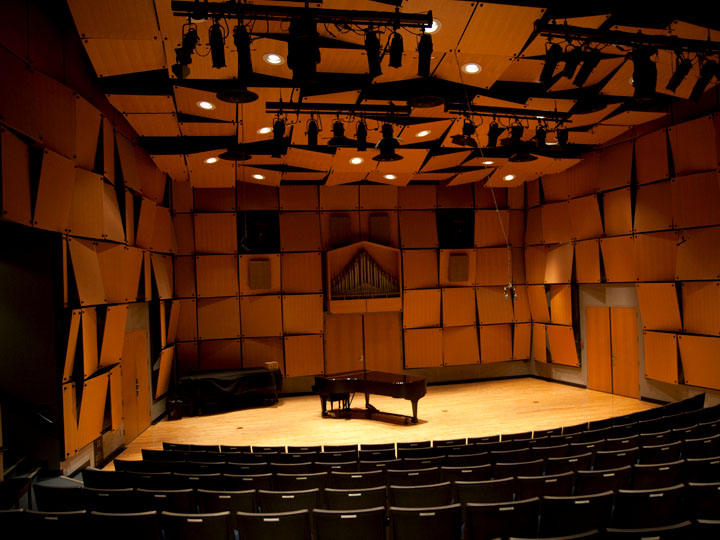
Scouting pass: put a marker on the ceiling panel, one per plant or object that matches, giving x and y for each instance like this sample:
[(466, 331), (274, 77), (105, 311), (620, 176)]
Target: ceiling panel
[(208, 129), (471, 176), (173, 165), (307, 159), (446, 161), (218, 174), (129, 103), (118, 57), (597, 135), (493, 66), (539, 44), (603, 69), (154, 125), (499, 29), (129, 19)]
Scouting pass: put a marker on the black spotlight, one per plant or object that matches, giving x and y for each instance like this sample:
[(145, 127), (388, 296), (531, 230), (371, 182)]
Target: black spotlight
[(396, 50), (591, 60), (494, 132), (372, 49), (278, 130), (466, 139), (361, 136), (553, 56), (516, 132), (707, 71), (644, 73), (312, 132), (572, 59), (682, 68), (540, 136), (217, 45), (562, 136), (303, 49), (241, 94), (339, 138), (425, 48), (183, 54), (387, 145)]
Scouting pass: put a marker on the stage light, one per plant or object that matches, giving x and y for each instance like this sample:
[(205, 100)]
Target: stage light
[(312, 132), (339, 139), (217, 45), (509, 177), (258, 177), (644, 73), (211, 160), (425, 48), (372, 50), (396, 50), (240, 94), (682, 68), (562, 136), (435, 27), (361, 136), (387, 145), (516, 132), (390, 177), (494, 132), (591, 60), (553, 56), (572, 59), (183, 54), (540, 136), (264, 130), (707, 71), (488, 162), (303, 50), (466, 139), (278, 130)]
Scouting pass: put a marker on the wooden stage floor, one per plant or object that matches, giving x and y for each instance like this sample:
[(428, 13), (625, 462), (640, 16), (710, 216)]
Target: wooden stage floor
[(446, 412)]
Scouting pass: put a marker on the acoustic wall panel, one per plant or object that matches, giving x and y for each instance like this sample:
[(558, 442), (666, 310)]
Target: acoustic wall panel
[(535, 263), (339, 197), (457, 267), (696, 200), (166, 362), (587, 261), (556, 222), (302, 314), (423, 348), (555, 187), (217, 318), (86, 269), (213, 200), (455, 197), (701, 307), (112, 220), (260, 274), (420, 268), (561, 304), (55, 192), (558, 264), (373, 197), (491, 228), (617, 258), (343, 343), (521, 341), (696, 260), (617, 212), (380, 227), (383, 341), (298, 198), (256, 197), (659, 306), (521, 304), (491, 267), (15, 176), (220, 354), (515, 196), (92, 409), (116, 403), (655, 256), (693, 146), (492, 306), (421, 308), (87, 131), (113, 335), (217, 275), (73, 334), (460, 346), (184, 233), (216, 233), (585, 221), (152, 179), (300, 231), (182, 197), (539, 343), (458, 306), (120, 268), (301, 272), (615, 166), (257, 351), (537, 298), (128, 162), (173, 322), (533, 193), (54, 107), (418, 229), (417, 197), (163, 239), (162, 270), (517, 228), (146, 224), (561, 341), (86, 211), (654, 207), (186, 357), (495, 343), (304, 355), (69, 409), (339, 229), (661, 356), (700, 357), (518, 265), (651, 157), (534, 226), (184, 275), (89, 341), (261, 316)]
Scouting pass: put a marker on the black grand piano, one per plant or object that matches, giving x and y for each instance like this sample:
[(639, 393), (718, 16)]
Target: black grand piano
[(341, 387)]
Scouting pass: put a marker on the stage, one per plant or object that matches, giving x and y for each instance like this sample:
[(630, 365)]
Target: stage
[(445, 412)]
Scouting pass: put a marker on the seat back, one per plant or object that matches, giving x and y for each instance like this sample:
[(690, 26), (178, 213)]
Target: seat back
[(352, 499), (485, 521), (415, 477), (288, 501), (657, 475), (467, 474), (121, 526), (49, 498), (349, 524), (426, 523), (420, 496), (182, 526), (576, 514), (357, 480), (527, 487), (588, 482), (274, 526), (569, 463), (210, 501), (636, 509), (486, 491)]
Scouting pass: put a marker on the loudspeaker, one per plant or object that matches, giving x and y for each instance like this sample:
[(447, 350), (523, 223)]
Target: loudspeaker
[(455, 227), (262, 234)]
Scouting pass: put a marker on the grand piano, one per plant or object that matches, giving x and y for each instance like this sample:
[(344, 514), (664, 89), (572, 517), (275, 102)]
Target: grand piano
[(341, 387)]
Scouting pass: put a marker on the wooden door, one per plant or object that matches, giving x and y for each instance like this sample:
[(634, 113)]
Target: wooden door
[(625, 363), (344, 343), (135, 384), (599, 355)]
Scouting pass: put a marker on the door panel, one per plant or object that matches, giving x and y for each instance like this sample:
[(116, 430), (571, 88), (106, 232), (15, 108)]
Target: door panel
[(597, 326), (624, 333), (383, 342), (343, 343), (135, 384)]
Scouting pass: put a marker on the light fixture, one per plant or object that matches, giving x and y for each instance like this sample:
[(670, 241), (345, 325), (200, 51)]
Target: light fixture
[(644, 73), (509, 177), (273, 59), (540, 135), (240, 94), (471, 68), (339, 139), (264, 130), (466, 139), (361, 137), (258, 177), (682, 68), (312, 132), (396, 50), (303, 49), (372, 50), (390, 177), (211, 160), (387, 145), (494, 132), (707, 71), (423, 133), (591, 60), (425, 48), (436, 26), (357, 160), (553, 56), (572, 59), (278, 130), (183, 54), (216, 40), (488, 162), (516, 132), (206, 105), (562, 136)]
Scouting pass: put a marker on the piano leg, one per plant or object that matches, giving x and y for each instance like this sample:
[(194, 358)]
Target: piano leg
[(323, 403), (414, 409)]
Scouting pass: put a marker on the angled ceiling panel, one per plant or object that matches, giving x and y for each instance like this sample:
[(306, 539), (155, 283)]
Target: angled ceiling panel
[(130, 103), (131, 19), (114, 57), (499, 29)]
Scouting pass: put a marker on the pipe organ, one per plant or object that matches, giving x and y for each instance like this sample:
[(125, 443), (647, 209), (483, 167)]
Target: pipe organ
[(363, 278)]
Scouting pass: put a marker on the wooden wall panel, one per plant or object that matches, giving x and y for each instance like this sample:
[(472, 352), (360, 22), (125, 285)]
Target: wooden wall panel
[(55, 192), (561, 304), (113, 335), (700, 357), (339, 229), (162, 270), (146, 224), (417, 197), (73, 333), (299, 198), (343, 343), (15, 161), (87, 132), (465, 259), (556, 187), (521, 341), (216, 233), (89, 341), (534, 226), (701, 307), (697, 259), (458, 306), (487, 196), (556, 222), (116, 402), (421, 308), (374, 197), (304, 355), (339, 197), (654, 207), (587, 261), (516, 197), (261, 316), (213, 200), (492, 227), (86, 210), (585, 221), (655, 256), (92, 410), (128, 162), (220, 354), (420, 268), (165, 370), (615, 166), (535, 264), (120, 268), (617, 212), (696, 200), (521, 304), (173, 322), (152, 179), (301, 272), (495, 343), (380, 227), (537, 299), (270, 262), (561, 341), (69, 404), (184, 275), (693, 146), (257, 351), (559, 263), (86, 269), (418, 229), (617, 253), (54, 107), (383, 340), (460, 346), (598, 348), (518, 265), (163, 239), (455, 196), (300, 231), (492, 306), (251, 196), (302, 314), (182, 197), (147, 277), (184, 233), (517, 228), (112, 220), (130, 217), (651, 157), (423, 348), (217, 275), (186, 357), (188, 323), (661, 356), (217, 318), (491, 267), (539, 342), (659, 306)]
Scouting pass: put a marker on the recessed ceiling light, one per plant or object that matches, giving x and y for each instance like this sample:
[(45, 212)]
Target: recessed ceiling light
[(258, 177), (274, 59), (540, 117), (356, 160), (423, 133), (264, 130), (211, 160), (488, 162), (509, 177), (436, 26), (471, 68), (206, 105), (390, 177)]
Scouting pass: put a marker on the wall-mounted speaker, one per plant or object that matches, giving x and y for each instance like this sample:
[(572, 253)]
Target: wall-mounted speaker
[(455, 227), (258, 231)]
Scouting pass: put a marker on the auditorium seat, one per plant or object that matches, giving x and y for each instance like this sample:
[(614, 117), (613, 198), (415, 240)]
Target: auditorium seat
[(268, 449), (295, 482), (295, 457), (624, 430), (701, 447), (337, 456), (586, 534), (198, 481), (124, 526), (384, 454), (418, 496), (382, 465), (137, 465), (540, 433), (569, 463), (635, 509), (533, 467), (561, 484), (660, 453), (703, 500), (97, 478), (152, 480), (274, 526), (414, 477), (180, 526), (486, 521), (52, 525), (243, 482), (340, 466), (654, 438), (340, 448), (516, 436), (657, 475), (485, 491), (419, 452), (423, 462), (484, 439), (246, 468), (356, 480), (706, 529), (544, 452), (288, 501), (291, 468), (468, 474), (597, 481), (363, 524), (426, 523), (352, 499), (414, 444), (457, 450), (612, 459), (702, 469), (112, 500), (199, 467), (314, 448), (235, 448), (442, 443), (377, 446), (592, 446), (467, 460), (53, 498), (622, 443), (510, 456), (677, 531), (210, 501), (600, 424), (575, 428), (152, 454), (572, 515), (169, 500)]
